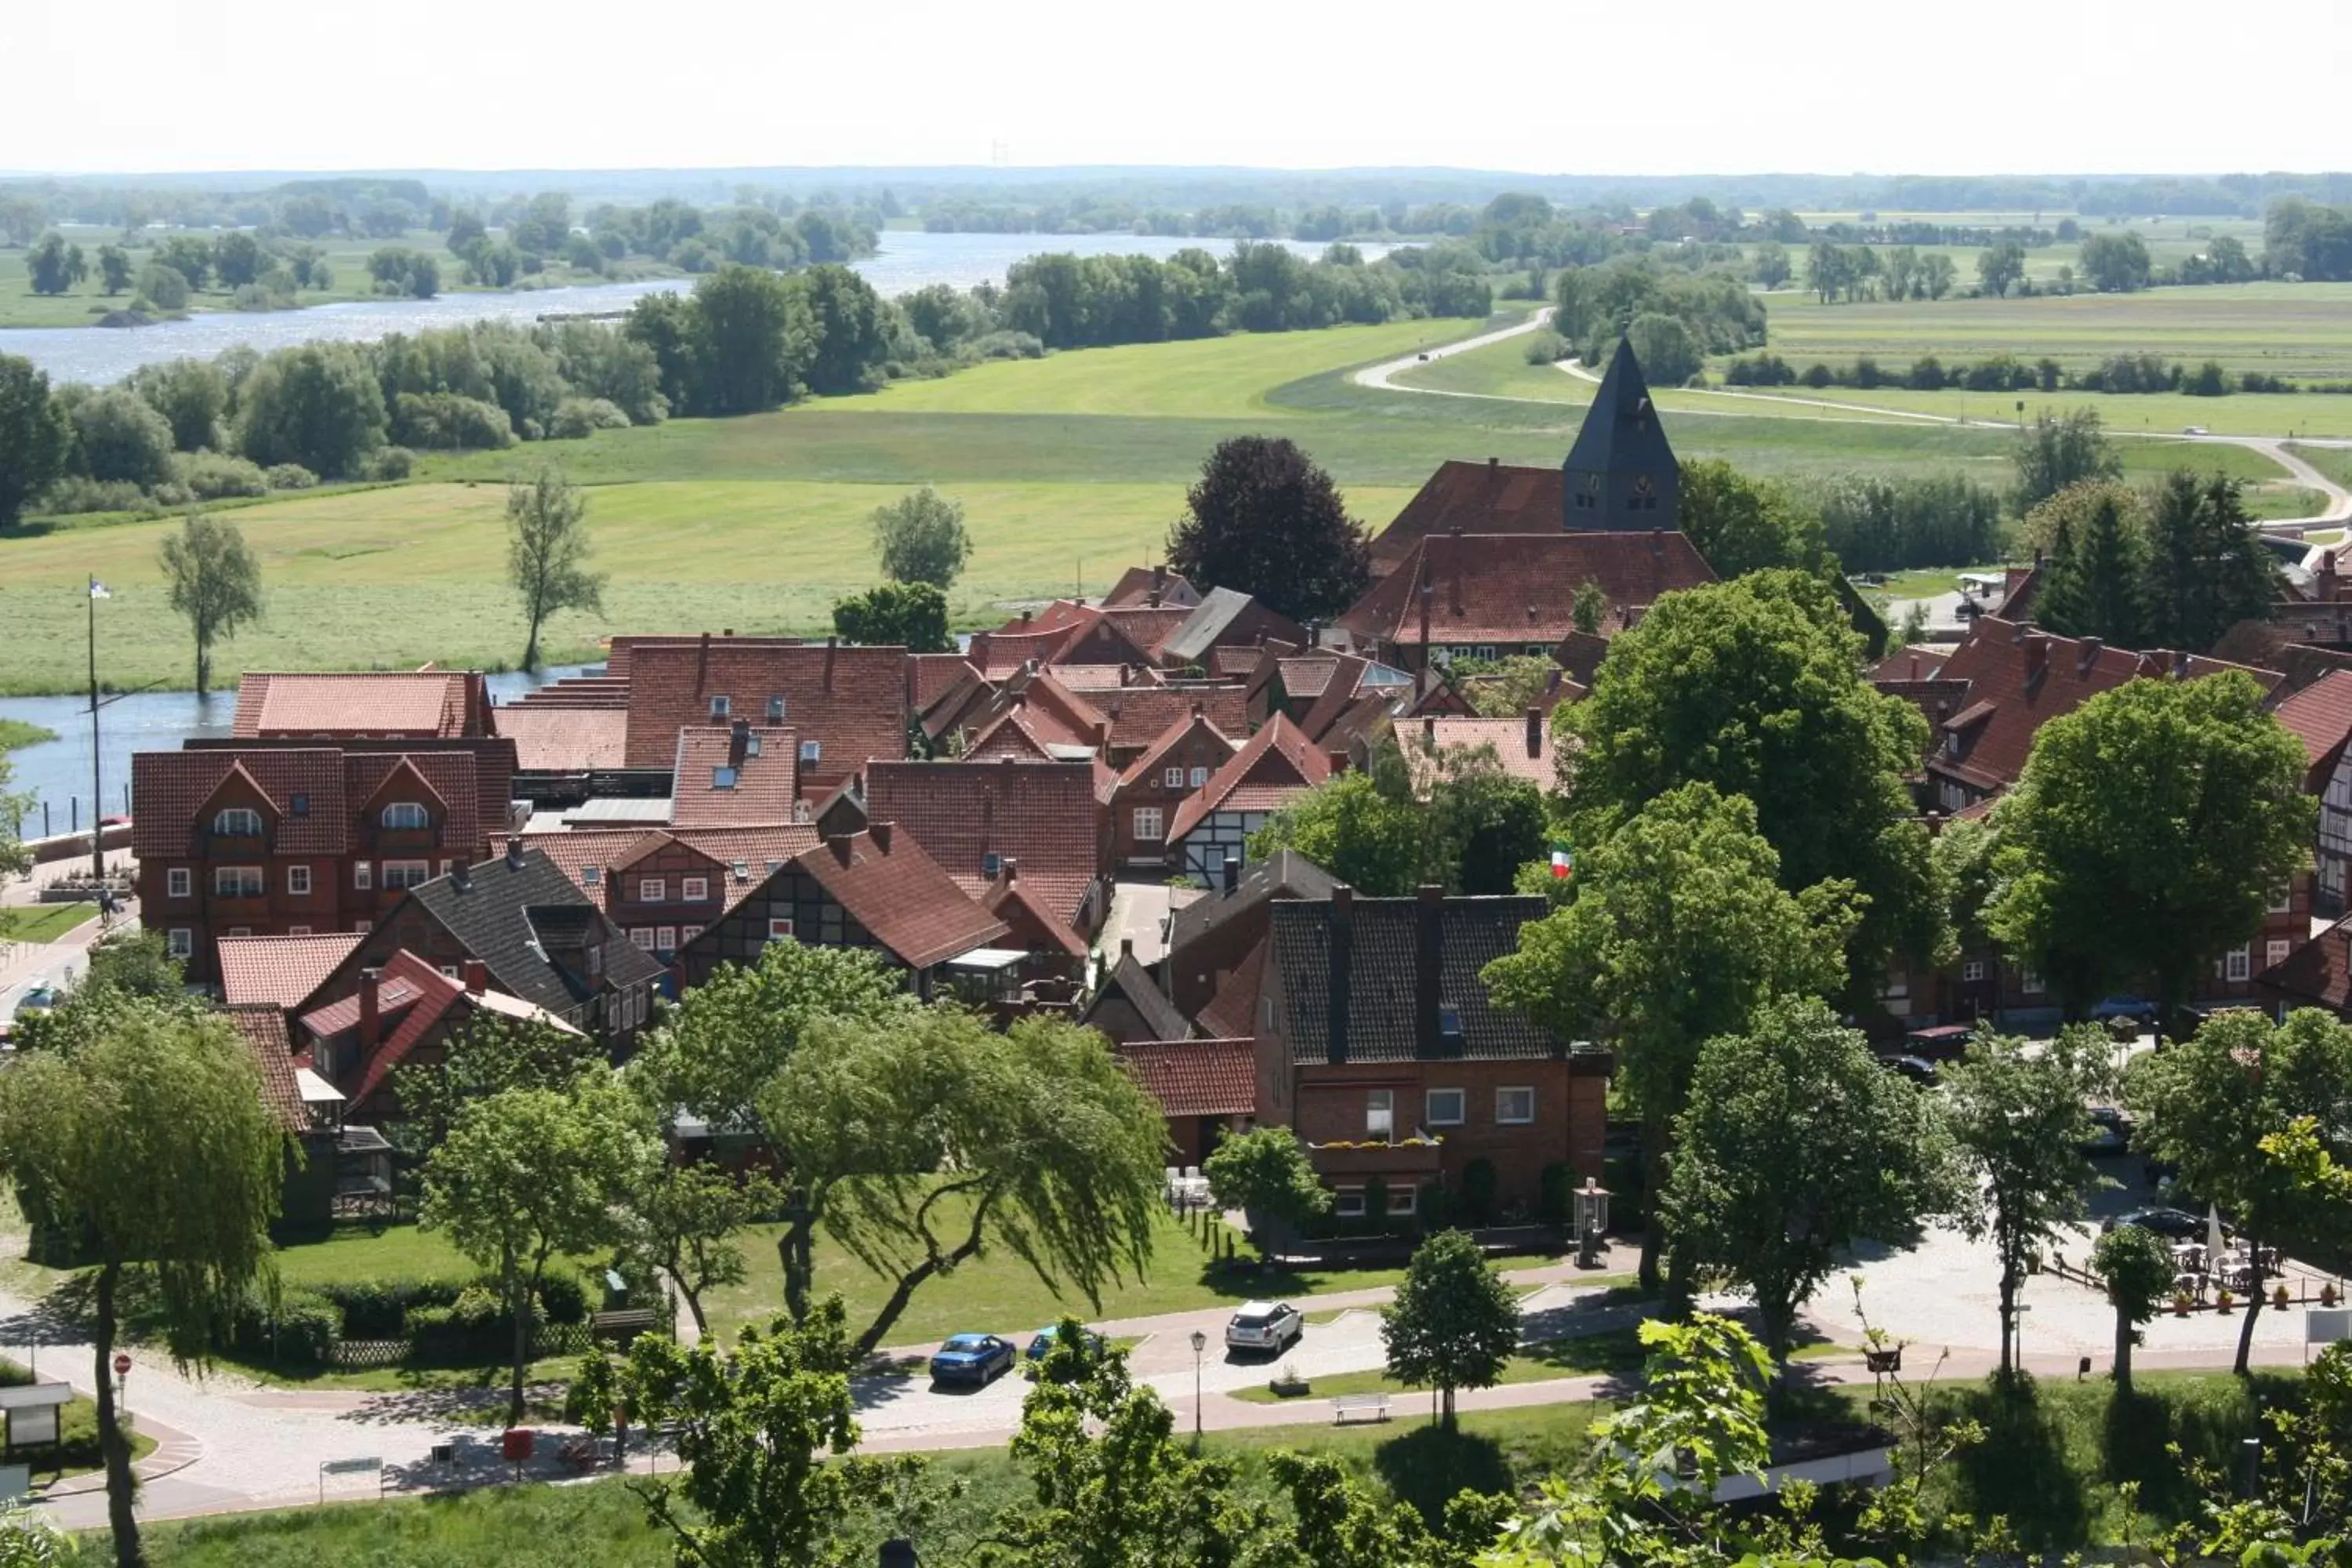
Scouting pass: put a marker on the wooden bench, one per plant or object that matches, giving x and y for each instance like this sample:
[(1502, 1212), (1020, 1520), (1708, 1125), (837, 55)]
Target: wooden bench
[(622, 1326), (1347, 1407)]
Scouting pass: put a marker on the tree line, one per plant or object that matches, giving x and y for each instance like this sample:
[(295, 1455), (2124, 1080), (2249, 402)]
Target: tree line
[(2007, 372)]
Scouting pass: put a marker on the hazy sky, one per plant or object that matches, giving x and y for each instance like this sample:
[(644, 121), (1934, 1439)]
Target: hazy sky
[(1634, 86)]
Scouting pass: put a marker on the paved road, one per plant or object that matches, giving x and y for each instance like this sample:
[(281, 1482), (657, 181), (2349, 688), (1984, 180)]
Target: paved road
[(1380, 377)]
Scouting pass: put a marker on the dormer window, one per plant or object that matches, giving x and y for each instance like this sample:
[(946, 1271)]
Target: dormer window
[(722, 778), (718, 707), (299, 805), (405, 814), (810, 752), (238, 822), (589, 876), (991, 864), (775, 710)]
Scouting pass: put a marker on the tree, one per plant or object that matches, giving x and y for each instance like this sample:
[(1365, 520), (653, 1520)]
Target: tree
[(2148, 835), (318, 406), (1373, 841), (1742, 525), (2137, 1267), (121, 437), (2001, 265), (113, 268), (1484, 823), (921, 537), (1797, 1143), (1679, 929), (187, 255), (54, 266), (2093, 579), (2116, 263), (684, 1219), (192, 396), (2207, 567), (2059, 450), (1768, 264), (547, 554), (528, 1174), (1265, 1173), (1454, 1322), (239, 258), (1265, 520), (465, 230), (752, 340), (1937, 273), (1588, 608), (1669, 351), (214, 582), (162, 286), (847, 335), (490, 1054), (150, 1140), (2208, 1106), (913, 615), (764, 1436), (2017, 1116), (35, 436), (1755, 687)]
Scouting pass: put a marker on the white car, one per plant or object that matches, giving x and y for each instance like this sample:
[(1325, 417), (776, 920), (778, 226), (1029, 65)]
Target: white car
[(2195, 430), (1268, 1326)]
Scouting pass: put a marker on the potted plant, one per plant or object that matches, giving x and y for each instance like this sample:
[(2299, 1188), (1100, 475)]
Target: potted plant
[(2328, 1294), (2223, 1301), (2181, 1302), (2281, 1296), (1881, 1353), (1287, 1384)]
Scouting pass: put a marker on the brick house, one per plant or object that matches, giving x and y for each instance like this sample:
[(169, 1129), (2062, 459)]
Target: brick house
[(1523, 747), (1215, 942), (973, 816), (663, 886), (1157, 782), (1204, 1087), (1149, 585), (736, 775), (537, 936), (1127, 1004), (876, 891), (278, 971), (2320, 717), (269, 840), (1226, 618), (1376, 1041), (844, 705), (1276, 766), (313, 705)]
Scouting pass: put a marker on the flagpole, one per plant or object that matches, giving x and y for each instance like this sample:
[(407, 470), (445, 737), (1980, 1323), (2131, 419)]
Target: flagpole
[(97, 788)]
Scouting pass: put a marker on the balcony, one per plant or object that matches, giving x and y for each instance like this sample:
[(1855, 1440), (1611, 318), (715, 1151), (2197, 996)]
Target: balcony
[(1415, 1156)]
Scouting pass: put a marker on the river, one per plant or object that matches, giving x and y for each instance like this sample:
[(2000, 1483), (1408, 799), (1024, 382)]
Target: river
[(908, 259)]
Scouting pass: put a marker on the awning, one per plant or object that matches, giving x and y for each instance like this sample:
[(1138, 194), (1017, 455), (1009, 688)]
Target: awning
[(988, 959)]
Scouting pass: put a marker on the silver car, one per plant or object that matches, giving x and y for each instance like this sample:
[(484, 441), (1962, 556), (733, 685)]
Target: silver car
[(1267, 1326)]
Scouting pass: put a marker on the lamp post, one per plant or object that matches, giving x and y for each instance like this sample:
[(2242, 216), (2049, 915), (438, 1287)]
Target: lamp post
[(1199, 1344), (1592, 1223)]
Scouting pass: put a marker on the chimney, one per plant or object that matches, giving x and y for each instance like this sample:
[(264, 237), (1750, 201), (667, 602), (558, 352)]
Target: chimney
[(2037, 657), (1027, 615), (739, 741), (1159, 579), (460, 877), (1152, 600), (702, 663), (2180, 665), (839, 844), (1427, 588), (1428, 965), (830, 644), (1429, 730), (369, 1017), (1126, 948), (514, 853), (1535, 732), (1915, 667), (478, 976), (727, 633), (1126, 674), (2019, 630), (2091, 647), (880, 833), (1494, 468), (1232, 875), (1343, 949)]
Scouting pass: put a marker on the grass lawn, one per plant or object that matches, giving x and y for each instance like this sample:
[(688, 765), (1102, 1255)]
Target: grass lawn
[(15, 732), (2336, 462), (1926, 580), (76, 1452), (43, 923)]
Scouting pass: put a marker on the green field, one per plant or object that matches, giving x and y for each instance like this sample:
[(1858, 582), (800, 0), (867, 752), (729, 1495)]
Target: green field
[(43, 923)]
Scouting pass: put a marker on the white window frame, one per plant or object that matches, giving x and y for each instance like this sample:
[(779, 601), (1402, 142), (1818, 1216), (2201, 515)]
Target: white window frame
[(180, 942), (250, 882), (1200, 777), (363, 874), (720, 705), (1405, 1200), (1502, 1117), (666, 940), (404, 810), (422, 870), (2238, 963), (1151, 824), (221, 828), (812, 751), (1379, 1113), (687, 933), (1972, 972), (2029, 981), (2274, 952), (642, 938), (1460, 1103), (447, 866), (1172, 778), (779, 927), (2281, 899), (240, 931), (178, 883), (693, 889), (653, 890), (298, 880), (1348, 1203)]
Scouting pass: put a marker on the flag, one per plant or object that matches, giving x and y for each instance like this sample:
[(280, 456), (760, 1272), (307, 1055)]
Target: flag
[(1563, 861), (99, 590)]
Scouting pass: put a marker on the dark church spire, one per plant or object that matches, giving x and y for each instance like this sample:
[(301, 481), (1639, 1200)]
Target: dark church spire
[(1620, 474)]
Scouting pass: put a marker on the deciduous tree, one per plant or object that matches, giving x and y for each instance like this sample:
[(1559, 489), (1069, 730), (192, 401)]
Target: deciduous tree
[(2059, 450), (35, 436), (1374, 841), (752, 340), (318, 406), (1454, 1322), (2138, 1268), (1998, 266), (55, 266), (121, 437), (547, 554), (911, 614), (1265, 1174), (684, 1220), (192, 394), (1742, 525), (113, 268), (1265, 520), (214, 582), (921, 538)]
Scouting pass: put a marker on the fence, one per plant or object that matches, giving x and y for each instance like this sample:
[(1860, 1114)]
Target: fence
[(548, 1339)]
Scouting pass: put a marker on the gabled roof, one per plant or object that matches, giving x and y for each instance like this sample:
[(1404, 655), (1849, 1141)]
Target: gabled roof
[(1141, 715), (1382, 971), (1515, 589), (278, 971), (851, 700), (1027, 913), (1149, 627), (1195, 1078), (931, 675), (1473, 498), (1130, 984), (1209, 624), (1284, 874), (506, 911), (1424, 741), (885, 882), (1621, 432), (262, 1027), (1138, 584), (1057, 715), (2318, 972), (2320, 716), (714, 785), (1278, 764), (585, 854), (1145, 767), (169, 789), (1044, 815), (563, 740), (431, 702)]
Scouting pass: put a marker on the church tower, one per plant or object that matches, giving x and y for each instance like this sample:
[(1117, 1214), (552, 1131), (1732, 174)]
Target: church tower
[(1621, 475)]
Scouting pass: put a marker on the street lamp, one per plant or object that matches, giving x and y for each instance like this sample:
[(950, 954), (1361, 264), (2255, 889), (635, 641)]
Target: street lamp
[(1592, 1223), (1200, 1343)]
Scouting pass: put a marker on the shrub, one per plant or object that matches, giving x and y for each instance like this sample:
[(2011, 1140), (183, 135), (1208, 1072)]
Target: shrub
[(445, 421), (289, 477), (1553, 1202), (304, 1331), (1005, 345), (563, 1297), (1546, 347), (164, 286), (392, 463), (210, 475), (472, 1328), (381, 1309), (79, 494), (1818, 375), (576, 417)]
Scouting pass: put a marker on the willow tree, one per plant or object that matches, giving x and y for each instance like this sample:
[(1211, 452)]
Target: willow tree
[(149, 1142)]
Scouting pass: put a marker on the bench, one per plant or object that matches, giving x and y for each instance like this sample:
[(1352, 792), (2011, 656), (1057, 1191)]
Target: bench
[(1347, 1407), (624, 1326)]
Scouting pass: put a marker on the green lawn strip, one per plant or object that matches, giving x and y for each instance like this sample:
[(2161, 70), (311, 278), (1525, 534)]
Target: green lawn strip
[(2283, 501), (16, 732), (2336, 462), (43, 923), (1927, 581), (76, 1452)]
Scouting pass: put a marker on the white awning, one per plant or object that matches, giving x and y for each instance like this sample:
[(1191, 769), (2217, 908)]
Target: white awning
[(314, 1089), (987, 958)]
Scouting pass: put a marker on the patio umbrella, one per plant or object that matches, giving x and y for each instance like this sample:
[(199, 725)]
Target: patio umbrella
[(2213, 1243)]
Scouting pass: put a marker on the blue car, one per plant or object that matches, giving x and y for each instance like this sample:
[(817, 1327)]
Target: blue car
[(976, 1358), (1043, 1340)]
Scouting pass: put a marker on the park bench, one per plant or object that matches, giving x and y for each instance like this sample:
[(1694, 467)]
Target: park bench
[(624, 1326), (1348, 1406)]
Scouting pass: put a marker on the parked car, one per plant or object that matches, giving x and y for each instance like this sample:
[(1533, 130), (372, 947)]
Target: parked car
[(1269, 1326), (2194, 430), (2172, 1224), (976, 1358), (2138, 1007), (1043, 1340), (2110, 1132), (1939, 1042), (1918, 1070), (41, 996)]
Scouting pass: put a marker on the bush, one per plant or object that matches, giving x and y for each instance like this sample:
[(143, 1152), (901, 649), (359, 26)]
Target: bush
[(445, 421), (122, 437), (381, 1309), (289, 477), (308, 1327), (164, 288), (392, 463), (210, 475), (1554, 1201), (563, 1297), (471, 1330), (1546, 347), (1005, 345), (576, 417), (79, 494)]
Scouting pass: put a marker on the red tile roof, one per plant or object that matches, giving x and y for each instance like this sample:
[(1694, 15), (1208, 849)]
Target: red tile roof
[(1044, 815), (300, 706), (1277, 765), (1513, 589), (1233, 1011), (1138, 584), (1425, 740), (764, 780), (1148, 627), (399, 988), (1147, 765), (263, 1030), (1001, 653), (278, 971), (1195, 1078), (934, 674), (2320, 716), (1141, 715), (1475, 498), (851, 701), (884, 882), (759, 850), (554, 739)]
